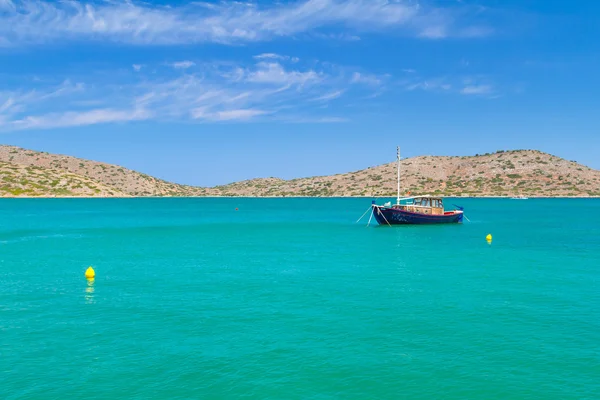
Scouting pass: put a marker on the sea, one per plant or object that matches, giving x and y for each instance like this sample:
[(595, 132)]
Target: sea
[(240, 298)]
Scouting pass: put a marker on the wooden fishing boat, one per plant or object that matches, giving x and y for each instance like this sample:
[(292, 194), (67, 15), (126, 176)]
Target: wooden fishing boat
[(424, 209)]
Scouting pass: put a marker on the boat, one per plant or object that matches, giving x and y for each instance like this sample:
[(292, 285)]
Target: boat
[(415, 210), (521, 197)]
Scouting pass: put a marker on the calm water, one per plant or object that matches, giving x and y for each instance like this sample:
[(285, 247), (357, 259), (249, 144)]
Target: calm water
[(289, 299)]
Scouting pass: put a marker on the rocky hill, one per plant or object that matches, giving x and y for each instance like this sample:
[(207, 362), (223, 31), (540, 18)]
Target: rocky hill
[(32, 173), (504, 173)]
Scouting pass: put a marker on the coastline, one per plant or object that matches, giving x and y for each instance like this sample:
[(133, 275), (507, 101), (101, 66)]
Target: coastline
[(30, 174), (285, 197)]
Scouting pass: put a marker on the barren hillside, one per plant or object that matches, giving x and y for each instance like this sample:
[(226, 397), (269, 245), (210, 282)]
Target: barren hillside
[(27, 173), (108, 179), (527, 172)]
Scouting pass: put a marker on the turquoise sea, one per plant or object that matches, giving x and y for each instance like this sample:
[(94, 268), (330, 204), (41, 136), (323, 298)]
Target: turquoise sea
[(290, 299)]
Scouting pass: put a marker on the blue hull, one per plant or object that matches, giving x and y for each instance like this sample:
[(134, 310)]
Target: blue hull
[(393, 216)]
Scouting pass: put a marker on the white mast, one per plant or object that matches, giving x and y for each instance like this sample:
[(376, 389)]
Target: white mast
[(398, 156)]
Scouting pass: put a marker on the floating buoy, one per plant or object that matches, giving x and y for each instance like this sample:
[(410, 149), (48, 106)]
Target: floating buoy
[(236, 209), (489, 237), (89, 273)]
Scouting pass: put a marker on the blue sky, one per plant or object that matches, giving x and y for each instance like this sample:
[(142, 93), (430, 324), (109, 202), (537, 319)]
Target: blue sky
[(212, 92)]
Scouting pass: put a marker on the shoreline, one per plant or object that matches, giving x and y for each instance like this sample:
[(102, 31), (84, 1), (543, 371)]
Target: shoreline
[(285, 197)]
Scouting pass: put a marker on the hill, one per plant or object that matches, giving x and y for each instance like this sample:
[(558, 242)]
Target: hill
[(504, 173), (32, 173)]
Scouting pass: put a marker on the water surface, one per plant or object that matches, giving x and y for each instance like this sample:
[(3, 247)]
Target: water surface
[(290, 299)]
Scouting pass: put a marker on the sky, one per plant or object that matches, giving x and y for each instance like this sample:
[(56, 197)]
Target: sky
[(212, 92)]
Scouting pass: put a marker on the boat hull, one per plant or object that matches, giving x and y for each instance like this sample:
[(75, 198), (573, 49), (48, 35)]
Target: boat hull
[(393, 216)]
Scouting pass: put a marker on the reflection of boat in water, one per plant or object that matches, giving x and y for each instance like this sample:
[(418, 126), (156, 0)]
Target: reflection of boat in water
[(521, 197), (416, 210)]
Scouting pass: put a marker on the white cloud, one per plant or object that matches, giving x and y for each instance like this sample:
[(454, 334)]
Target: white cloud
[(14, 102), (270, 56), (7, 5), (204, 113), (275, 73), (141, 23), (366, 79), (430, 85), (477, 89), (73, 118), (137, 67), (453, 85), (211, 93), (243, 114), (434, 32), (330, 96), (183, 64), (207, 95), (345, 37), (7, 105)]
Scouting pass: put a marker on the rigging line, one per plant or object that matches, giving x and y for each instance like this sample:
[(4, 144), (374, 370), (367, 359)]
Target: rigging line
[(365, 213), (379, 211), (369, 223)]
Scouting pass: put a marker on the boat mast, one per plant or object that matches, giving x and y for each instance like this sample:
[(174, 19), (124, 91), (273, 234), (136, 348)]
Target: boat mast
[(398, 156)]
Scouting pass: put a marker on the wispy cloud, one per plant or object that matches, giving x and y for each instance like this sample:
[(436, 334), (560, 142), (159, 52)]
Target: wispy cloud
[(275, 73), (12, 103), (272, 56), (481, 86), (330, 96), (242, 114), (477, 89), (74, 118), (137, 67), (434, 32), (227, 92), (435, 84), (182, 64), (275, 56), (266, 89), (368, 79), (7, 5), (7, 105), (141, 23)]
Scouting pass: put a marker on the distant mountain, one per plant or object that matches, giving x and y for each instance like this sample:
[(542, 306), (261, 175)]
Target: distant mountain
[(504, 173)]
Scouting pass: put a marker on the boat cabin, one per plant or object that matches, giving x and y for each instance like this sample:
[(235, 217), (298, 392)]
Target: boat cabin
[(422, 205)]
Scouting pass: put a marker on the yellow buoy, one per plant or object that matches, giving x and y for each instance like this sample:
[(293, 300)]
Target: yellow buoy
[(488, 238), (89, 273)]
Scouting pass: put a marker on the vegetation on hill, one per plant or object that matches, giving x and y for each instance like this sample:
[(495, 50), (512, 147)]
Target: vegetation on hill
[(25, 170), (504, 173)]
